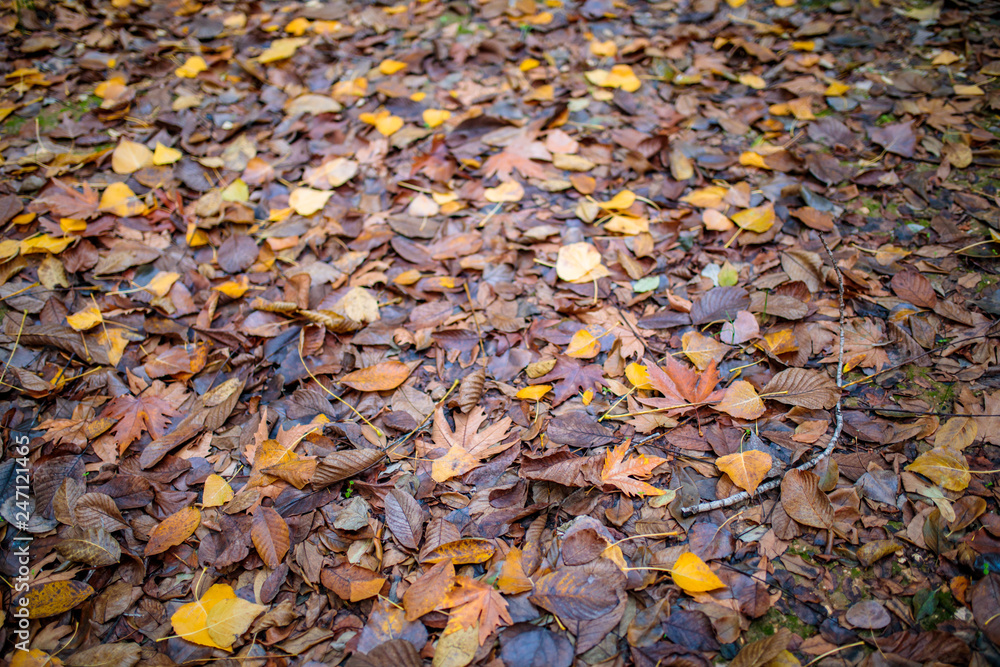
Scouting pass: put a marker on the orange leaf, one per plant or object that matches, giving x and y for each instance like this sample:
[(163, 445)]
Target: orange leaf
[(383, 376), (747, 469), (462, 552), (270, 536), (173, 530), (618, 472), (55, 597)]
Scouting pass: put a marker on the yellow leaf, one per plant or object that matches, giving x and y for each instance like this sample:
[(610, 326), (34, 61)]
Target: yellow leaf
[(237, 191), (709, 197), (943, 466), (638, 376), (619, 202), (9, 248), (435, 117), (306, 201), (88, 318), (529, 64), (38, 658), (217, 492), (508, 191), (110, 89), (390, 66), (583, 345), (741, 401), (129, 157), (587, 397), (784, 3), (836, 89), (190, 621), (579, 263), (281, 49), (161, 283), (230, 618), (747, 469), (758, 219), (165, 155), (191, 68), (408, 277), (418, 96), (534, 392), (297, 26), (945, 58), (45, 243), (735, 3), (969, 90), (388, 125), (620, 76), (804, 46), (115, 342), (627, 224), (606, 49), (234, 289), (751, 159), (753, 81), (693, 575), (69, 225), (119, 199)]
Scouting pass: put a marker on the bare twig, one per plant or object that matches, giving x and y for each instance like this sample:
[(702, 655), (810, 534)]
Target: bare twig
[(838, 423)]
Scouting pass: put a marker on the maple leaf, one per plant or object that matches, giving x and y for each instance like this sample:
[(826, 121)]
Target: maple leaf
[(466, 444), (864, 343), (618, 471), (518, 155), (575, 377), (475, 604), (683, 388), (65, 201), (135, 414)]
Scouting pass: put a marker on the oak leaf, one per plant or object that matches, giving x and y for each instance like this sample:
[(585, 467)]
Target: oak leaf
[(475, 605)]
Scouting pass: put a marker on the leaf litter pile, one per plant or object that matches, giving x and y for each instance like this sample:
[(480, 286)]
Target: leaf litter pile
[(501, 333)]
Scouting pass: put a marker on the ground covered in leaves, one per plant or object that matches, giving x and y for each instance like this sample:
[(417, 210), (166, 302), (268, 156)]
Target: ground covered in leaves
[(402, 334)]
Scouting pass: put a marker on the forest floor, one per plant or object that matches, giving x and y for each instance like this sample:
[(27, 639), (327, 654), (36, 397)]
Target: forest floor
[(427, 333)]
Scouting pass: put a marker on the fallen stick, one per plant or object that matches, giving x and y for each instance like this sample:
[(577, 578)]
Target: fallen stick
[(838, 417)]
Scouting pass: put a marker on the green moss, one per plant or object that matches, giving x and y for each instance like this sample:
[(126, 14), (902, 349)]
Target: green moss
[(768, 624)]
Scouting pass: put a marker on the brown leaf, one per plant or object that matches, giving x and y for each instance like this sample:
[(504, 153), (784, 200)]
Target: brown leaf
[(405, 518), (763, 651), (93, 546), (804, 388), (138, 414), (97, 510), (803, 501), (343, 465), (173, 530), (915, 288), (270, 536), (579, 593), (619, 472), (429, 591), (119, 654)]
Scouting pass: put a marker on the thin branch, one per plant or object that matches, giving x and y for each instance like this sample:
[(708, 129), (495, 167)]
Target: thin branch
[(838, 425)]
